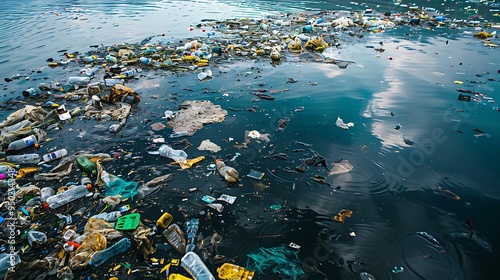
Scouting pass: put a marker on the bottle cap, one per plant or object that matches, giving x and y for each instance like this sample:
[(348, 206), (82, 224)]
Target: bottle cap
[(37, 146), (89, 186), (45, 205)]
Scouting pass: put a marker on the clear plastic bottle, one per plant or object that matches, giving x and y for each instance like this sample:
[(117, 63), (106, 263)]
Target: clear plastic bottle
[(167, 151), (108, 217), (191, 231), (112, 82), (24, 159), (192, 263), (67, 196), (23, 143), (7, 261), (175, 237), (45, 193), (178, 134), (79, 80), (102, 256), (55, 155)]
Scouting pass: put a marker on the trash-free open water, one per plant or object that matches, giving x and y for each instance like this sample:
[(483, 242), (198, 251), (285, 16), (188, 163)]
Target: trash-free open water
[(443, 174)]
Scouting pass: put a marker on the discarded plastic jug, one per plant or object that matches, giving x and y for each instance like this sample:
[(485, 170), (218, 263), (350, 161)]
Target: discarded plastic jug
[(24, 159), (79, 80), (35, 236), (55, 155), (8, 260), (67, 196), (45, 193), (23, 143), (230, 174), (109, 217), (86, 165), (101, 257), (192, 263), (167, 151)]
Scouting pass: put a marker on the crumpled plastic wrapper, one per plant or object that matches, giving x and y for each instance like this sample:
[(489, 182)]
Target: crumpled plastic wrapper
[(92, 243), (112, 200), (102, 227), (147, 188), (116, 111), (32, 113), (339, 167), (141, 237), (26, 190), (342, 215), (196, 115), (207, 145)]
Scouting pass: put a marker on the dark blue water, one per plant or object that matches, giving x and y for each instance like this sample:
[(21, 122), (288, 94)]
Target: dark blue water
[(394, 190)]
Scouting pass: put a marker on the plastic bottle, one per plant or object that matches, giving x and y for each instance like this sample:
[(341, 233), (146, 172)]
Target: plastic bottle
[(55, 155), (45, 193), (102, 256), (8, 260), (86, 165), (67, 88), (145, 60), (31, 92), (111, 58), (89, 59), (79, 80), (108, 217), (66, 197), (192, 263), (24, 159), (23, 143), (112, 82), (191, 230), (178, 134), (35, 236), (175, 237), (167, 151), (127, 74)]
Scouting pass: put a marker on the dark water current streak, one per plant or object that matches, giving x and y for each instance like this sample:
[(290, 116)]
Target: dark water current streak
[(417, 85)]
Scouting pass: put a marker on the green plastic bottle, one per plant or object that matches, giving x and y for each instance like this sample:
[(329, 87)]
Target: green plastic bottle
[(86, 165)]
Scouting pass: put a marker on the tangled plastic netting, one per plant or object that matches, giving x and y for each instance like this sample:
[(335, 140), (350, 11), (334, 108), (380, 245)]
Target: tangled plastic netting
[(281, 260)]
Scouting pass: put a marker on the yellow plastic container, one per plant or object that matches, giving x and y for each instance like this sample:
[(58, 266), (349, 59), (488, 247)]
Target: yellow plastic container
[(165, 220), (176, 276), (23, 172), (229, 271)]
